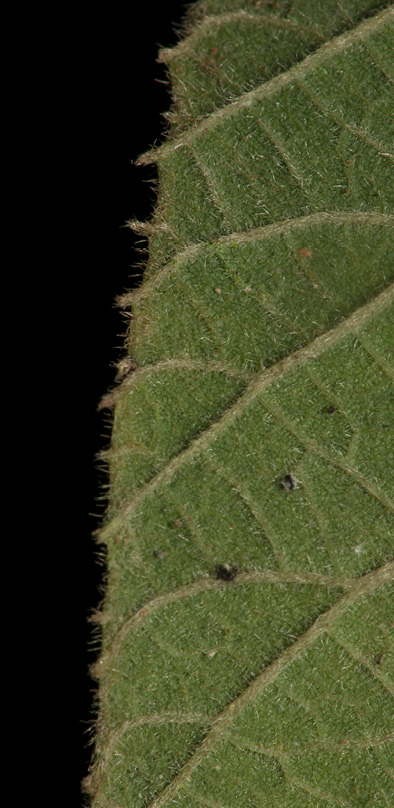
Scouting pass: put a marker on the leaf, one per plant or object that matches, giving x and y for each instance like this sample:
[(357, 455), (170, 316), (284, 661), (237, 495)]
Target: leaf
[(240, 43), (248, 650)]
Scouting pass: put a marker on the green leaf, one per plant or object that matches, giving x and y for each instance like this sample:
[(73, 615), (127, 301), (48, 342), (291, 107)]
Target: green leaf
[(248, 652), (240, 43)]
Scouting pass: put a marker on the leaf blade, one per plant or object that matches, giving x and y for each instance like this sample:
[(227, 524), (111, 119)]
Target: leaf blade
[(279, 371)]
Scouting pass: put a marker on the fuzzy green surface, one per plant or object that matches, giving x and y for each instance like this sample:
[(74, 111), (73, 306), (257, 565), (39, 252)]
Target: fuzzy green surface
[(313, 139), (257, 435), (239, 45)]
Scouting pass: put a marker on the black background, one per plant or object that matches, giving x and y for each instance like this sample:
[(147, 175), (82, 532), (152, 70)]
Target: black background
[(120, 93)]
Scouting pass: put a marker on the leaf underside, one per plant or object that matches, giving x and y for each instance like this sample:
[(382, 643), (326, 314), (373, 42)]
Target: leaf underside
[(248, 654)]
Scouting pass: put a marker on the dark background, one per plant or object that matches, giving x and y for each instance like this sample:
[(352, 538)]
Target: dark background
[(120, 94)]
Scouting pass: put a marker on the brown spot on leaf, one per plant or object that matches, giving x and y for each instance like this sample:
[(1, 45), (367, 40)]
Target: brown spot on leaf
[(226, 572), (306, 252), (289, 482), (106, 402)]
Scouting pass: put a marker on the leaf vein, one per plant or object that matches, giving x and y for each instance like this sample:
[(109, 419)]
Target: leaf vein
[(256, 386), (363, 586)]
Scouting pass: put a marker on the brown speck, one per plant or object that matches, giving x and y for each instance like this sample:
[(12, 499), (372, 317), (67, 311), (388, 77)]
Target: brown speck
[(177, 524), (290, 482), (306, 252), (106, 402), (226, 572), (158, 553), (331, 409)]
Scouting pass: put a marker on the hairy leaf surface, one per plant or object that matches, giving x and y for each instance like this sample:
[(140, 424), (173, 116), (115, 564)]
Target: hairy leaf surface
[(248, 654)]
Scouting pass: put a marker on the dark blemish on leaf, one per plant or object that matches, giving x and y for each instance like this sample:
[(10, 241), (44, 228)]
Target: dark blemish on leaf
[(331, 409), (378, 658), (289, 482), (158, 553), (385, 426), (226, 572)]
